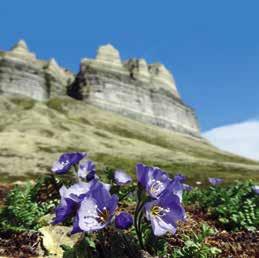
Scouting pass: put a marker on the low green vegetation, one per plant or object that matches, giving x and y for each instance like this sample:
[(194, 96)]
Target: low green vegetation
[(23, 103), (233, 207), (195, 245), (22, 208)]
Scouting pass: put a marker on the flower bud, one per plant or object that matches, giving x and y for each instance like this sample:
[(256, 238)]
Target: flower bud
[(123, 220)]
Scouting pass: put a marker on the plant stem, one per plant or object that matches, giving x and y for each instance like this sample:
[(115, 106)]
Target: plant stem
[(74, 169), (54, 182), (137, 221)]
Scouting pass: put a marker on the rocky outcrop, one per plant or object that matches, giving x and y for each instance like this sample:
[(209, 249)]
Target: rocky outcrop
[(22, 73), (134, 89)]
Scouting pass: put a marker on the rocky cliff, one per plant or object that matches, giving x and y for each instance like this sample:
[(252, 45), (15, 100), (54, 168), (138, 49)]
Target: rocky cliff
[(22, 73), (135, 89)]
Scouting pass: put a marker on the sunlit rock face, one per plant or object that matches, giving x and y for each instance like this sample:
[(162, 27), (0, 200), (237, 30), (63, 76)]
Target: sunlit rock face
[(133, 88), (23, 74), (145, 92)]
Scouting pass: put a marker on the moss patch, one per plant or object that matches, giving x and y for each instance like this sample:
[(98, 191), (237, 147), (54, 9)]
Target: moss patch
[(24, 103)]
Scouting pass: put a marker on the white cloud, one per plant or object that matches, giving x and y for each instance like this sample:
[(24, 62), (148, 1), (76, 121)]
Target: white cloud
[(241, 138)]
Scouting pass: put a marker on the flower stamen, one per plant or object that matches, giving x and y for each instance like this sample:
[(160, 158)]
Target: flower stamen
[(159, 211), (156, 187), (103, 216)]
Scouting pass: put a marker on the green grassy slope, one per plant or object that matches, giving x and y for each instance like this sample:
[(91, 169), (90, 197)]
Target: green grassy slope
[(33, 134)]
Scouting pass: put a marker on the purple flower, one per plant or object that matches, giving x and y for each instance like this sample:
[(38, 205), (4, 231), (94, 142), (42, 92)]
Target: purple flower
[(256, 189), (106, 186), (164, 214), (66, 208), (153, 180), (66, 161), (215, 181), (123, 220), (180, 178), (70, 199), (96, 210), (176, 186), (187, 187), (87, 170), (121, 177)]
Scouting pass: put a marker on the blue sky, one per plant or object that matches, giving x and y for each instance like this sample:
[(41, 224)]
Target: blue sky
[(212, 47)]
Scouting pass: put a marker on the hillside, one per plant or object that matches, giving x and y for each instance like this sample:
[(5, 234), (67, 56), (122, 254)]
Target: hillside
[(33, 134)]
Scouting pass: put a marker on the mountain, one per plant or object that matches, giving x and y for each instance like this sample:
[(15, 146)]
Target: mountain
[(133, 88)]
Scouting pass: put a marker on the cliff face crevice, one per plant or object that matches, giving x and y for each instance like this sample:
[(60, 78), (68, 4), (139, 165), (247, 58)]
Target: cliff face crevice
[(135, 89)]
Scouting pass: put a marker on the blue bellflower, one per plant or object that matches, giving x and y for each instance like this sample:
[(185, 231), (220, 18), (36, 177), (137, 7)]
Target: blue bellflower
[(187, 187), (164, 213), (256, 189), (96, 210), (153, 180), (87, 170), (124, 220), (70, 199), (177, 186), (215, 181), (121, 177), (65, 209), (66, 161), (180, 178)]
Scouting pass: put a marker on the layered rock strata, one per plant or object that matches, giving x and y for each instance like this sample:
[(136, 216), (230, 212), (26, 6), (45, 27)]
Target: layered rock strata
[(134, 89), (145, 92), (22, 73)]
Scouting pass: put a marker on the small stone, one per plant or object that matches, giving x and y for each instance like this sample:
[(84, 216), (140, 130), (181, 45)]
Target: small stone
[(54, 236), (144, 254)]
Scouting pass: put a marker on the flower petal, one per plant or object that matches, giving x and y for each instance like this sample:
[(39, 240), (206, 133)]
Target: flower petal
[(160, 227), (113, 204), (64, 210), (256, 189), (88, 216), (142, 172), (164, 213), (215, 181), (175, 187), (76, 228), (187, 187), (152, 179), (121, 177), (78, 189), (87, 170), (180, 178), (176, 212), (66, 160), (97, 208)]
